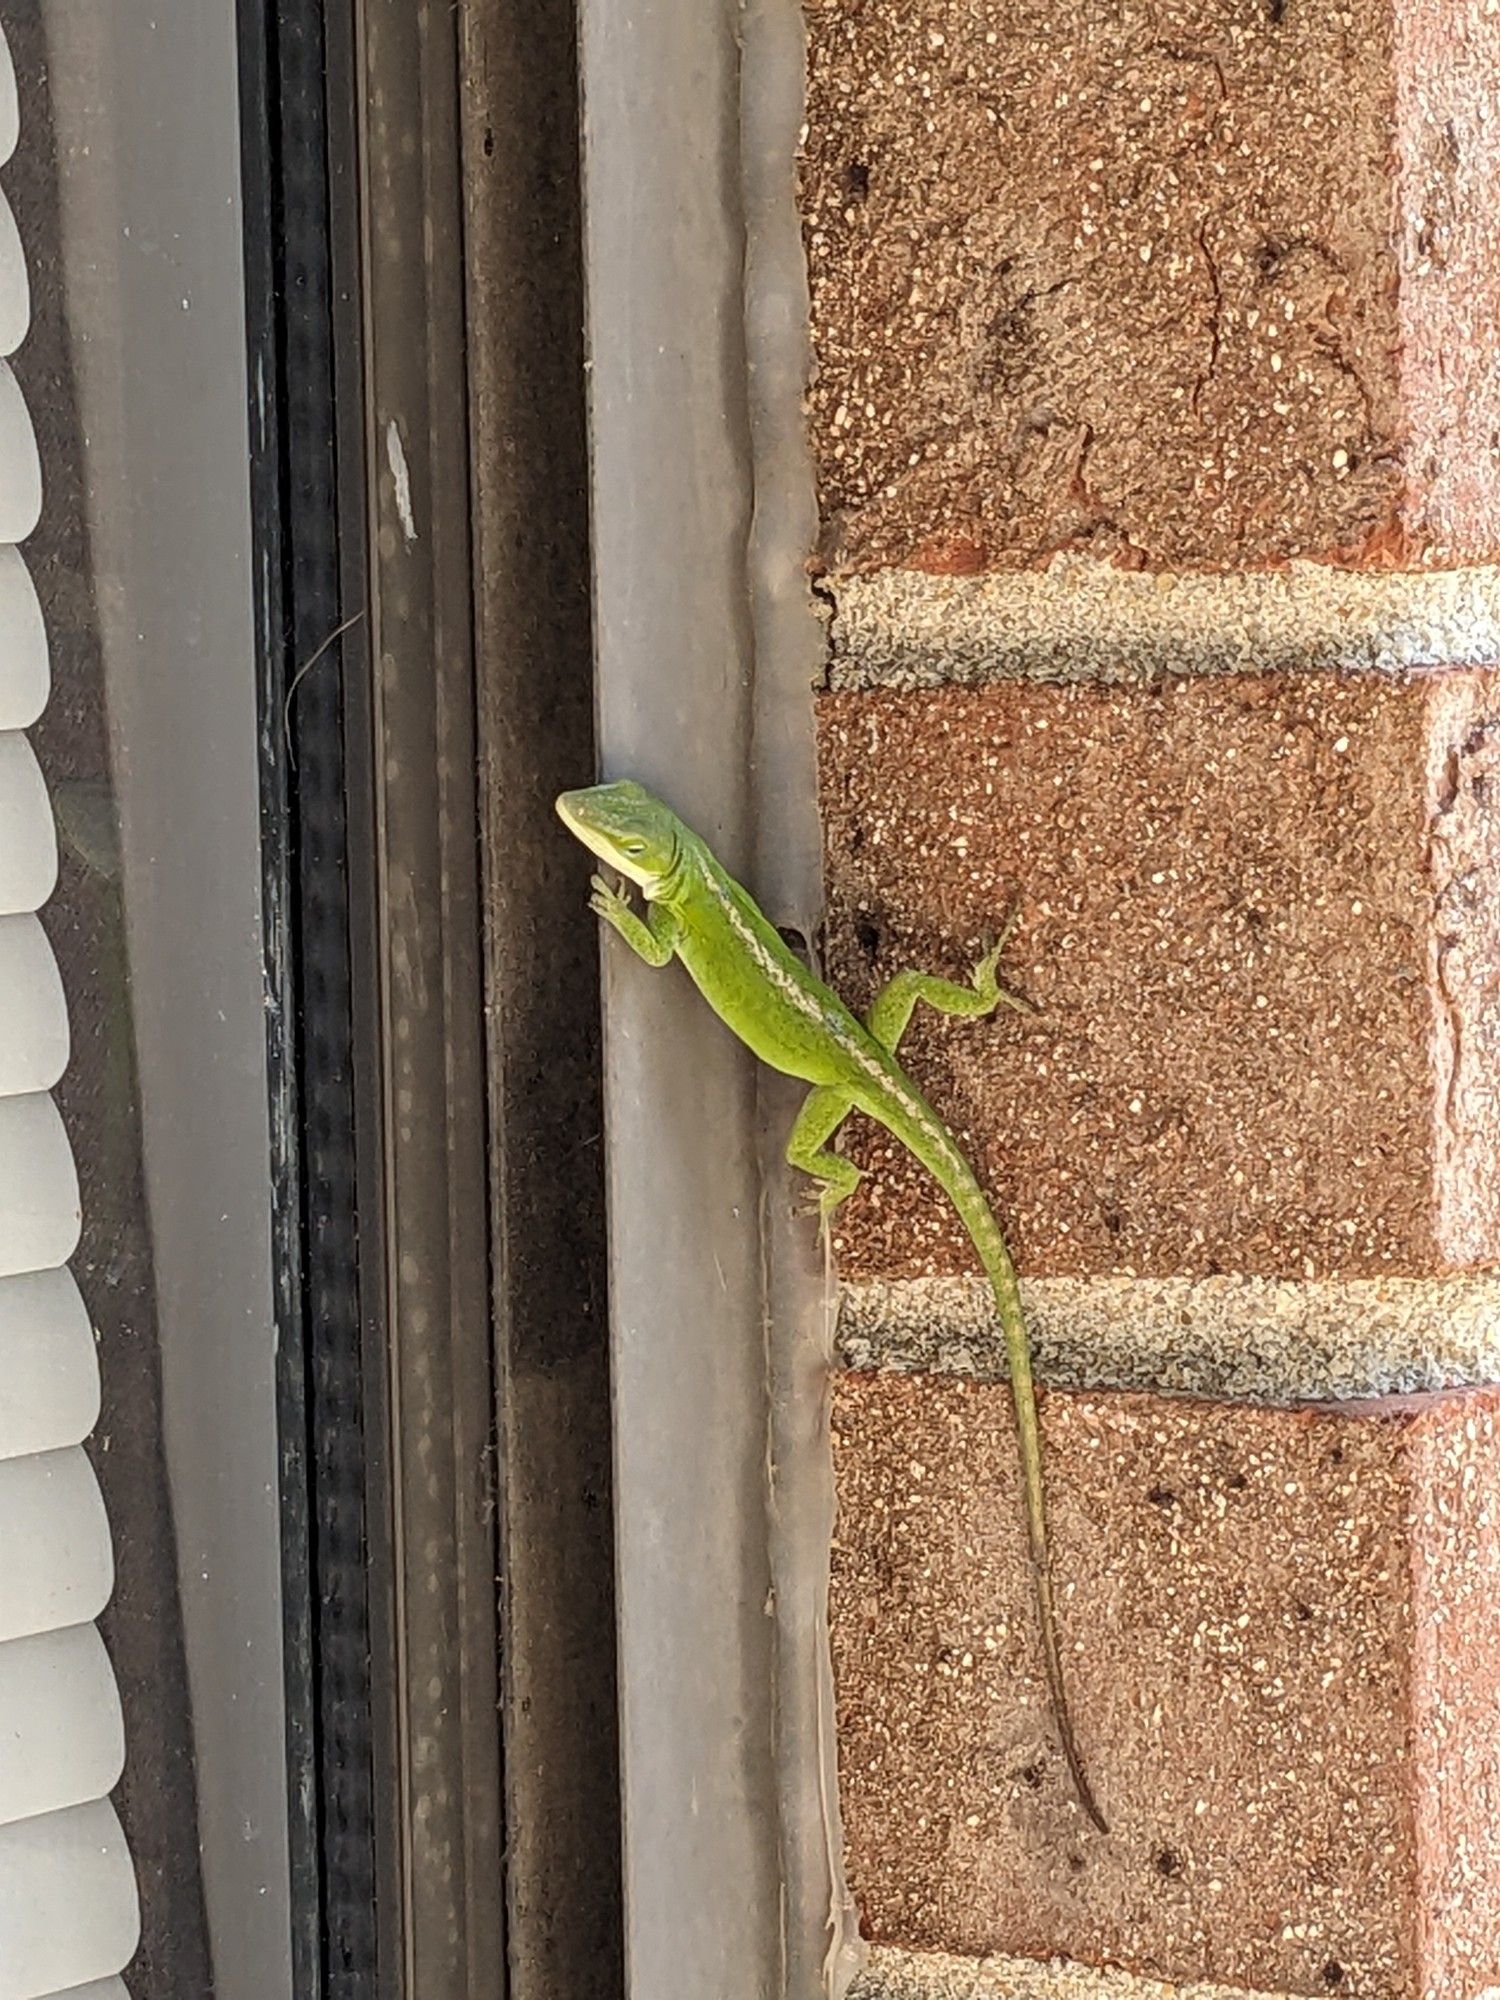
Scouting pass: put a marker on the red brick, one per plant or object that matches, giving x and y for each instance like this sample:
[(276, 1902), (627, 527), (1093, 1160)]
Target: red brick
[(1212, 283), (1260, 919), (1280, 1637)]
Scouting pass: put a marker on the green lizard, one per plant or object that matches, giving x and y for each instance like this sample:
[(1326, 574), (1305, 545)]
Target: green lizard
[(792, 1021)]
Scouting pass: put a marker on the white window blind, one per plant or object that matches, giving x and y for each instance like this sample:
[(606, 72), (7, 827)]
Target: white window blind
[(69, 1917)]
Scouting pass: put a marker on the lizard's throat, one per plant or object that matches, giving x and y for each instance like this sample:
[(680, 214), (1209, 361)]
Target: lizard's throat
[(668, 885)]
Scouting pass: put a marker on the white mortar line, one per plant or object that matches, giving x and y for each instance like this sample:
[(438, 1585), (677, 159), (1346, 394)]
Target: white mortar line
[(890, 1974), (1084, 620), (1257, 1339)]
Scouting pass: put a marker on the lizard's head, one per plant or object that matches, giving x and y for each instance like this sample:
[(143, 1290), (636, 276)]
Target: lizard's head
[(626, 826)]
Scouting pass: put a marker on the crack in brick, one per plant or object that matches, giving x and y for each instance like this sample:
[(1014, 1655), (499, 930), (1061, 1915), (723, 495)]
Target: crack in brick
[(1215, 331), (1456, 897), (1200, 58), (942, 142)]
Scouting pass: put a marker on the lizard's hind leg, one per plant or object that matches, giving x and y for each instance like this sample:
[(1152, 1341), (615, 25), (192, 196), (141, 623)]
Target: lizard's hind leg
[(823, 1111), (892, 1009)]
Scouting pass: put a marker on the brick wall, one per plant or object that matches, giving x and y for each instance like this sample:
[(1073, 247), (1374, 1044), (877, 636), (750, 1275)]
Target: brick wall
[(1157, 431)]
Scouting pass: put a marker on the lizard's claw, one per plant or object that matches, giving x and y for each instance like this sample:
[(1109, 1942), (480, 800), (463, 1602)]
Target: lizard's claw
[(1007, 928), (605, 899), (826, 1199), (984, 977), (812, 1209), (986, 972)]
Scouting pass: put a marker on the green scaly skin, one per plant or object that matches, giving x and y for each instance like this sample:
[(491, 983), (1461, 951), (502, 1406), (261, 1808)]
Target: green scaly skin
[(792, 1021)]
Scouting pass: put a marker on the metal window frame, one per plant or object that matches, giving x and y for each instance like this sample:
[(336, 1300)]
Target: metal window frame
[(425, 675), (373, 961), (707, 650)]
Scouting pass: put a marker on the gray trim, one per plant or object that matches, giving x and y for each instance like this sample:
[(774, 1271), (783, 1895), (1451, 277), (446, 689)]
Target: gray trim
[(707, 652), (664, 257), (819, 1932)]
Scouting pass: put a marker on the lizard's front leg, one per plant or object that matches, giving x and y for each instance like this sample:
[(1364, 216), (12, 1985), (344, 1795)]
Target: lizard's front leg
[(654, 940), (823, 1111), (891, 1011)]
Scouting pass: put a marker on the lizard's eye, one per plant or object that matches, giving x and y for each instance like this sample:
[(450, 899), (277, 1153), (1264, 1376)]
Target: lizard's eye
[(633, 847)]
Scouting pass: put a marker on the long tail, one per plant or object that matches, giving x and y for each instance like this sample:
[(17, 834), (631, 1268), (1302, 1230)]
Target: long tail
[(968, 1198)]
